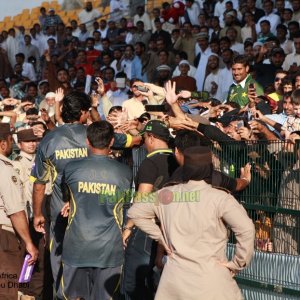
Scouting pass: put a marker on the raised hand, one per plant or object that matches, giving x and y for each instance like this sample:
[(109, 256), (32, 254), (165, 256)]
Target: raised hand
[(171, 96), (59, 95), (100, 83), (95, 99)]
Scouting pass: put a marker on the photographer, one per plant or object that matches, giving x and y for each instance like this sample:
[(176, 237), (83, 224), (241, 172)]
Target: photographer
[(143, 93)]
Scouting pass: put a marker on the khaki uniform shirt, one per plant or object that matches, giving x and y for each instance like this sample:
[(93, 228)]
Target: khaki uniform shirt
[(23, 166), (11, 200), (194, 219)]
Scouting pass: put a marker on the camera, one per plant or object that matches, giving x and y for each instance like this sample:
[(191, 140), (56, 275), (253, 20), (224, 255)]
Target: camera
[(142, 88)]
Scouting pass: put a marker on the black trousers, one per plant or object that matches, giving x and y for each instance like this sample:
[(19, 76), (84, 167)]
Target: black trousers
[(137, 278), (89, 283)]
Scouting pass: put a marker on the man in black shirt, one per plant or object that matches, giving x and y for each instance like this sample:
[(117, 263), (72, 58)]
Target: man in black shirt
[(96, 187), (276, 60), (159, 32), (153, 173)]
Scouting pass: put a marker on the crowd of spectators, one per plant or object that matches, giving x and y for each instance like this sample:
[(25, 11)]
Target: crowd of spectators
[(227, 69)]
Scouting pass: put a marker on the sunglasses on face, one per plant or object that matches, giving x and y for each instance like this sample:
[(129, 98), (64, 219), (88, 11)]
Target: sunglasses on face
[(278, 79)]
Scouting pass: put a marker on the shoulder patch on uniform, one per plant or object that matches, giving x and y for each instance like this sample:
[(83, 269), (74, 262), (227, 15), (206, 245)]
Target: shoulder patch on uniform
[(221, 189), (14, 179), (18, 158), (6, 162)]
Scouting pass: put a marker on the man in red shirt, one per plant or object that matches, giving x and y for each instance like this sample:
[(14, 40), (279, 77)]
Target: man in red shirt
[(91, 53), (83, 63)]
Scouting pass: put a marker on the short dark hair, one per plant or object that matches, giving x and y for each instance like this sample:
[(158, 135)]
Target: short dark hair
[(294, 23), (21, 55), (141, 44), (296, 35), (161, 51), (39, 123), (105, 40), (61, 69), (281, 26), (241, 59), (73, 104), (100, 134), (90, 39), (109, 69), (186, 138), (233, 104), (130, 46), (183, 55), (225, 39), (133, 80), (265, 21), (121, 75), (296, 97), (115, 109), (287, 81), (31, 84), (280, 71)]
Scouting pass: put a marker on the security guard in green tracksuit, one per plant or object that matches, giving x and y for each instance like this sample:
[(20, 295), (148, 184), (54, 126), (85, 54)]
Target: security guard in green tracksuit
[(96, 187)]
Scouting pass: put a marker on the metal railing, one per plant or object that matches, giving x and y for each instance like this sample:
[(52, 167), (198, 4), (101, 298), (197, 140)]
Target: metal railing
[(272, 201)]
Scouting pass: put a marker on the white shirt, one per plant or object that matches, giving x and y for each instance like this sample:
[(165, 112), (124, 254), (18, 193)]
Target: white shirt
[(28, 71), (273, 19), (128, 38), (103, 32), (114, 66), (238, 47), (291, 59), (117, 9), (246, 33), (76, 32), (44, 42), (117, 97), (193, 13), (214, 77), (88, 16), (200, 73), (227, 79), (144, 18), (35, 42), (11, 46), (98, 46), (287, 46), (126, 66), (219, 11)]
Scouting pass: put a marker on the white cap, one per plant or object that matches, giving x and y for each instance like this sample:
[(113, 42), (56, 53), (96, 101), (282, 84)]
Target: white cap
[(184, 62), (258, 44), (163, 68), (50, 95)]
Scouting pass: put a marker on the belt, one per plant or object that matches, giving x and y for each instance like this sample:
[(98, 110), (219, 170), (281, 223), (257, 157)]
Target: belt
[(7, 228)]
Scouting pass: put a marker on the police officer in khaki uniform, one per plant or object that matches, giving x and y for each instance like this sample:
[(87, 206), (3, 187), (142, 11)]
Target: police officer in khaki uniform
[(23, 163), (13, 221), (27, 143)]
